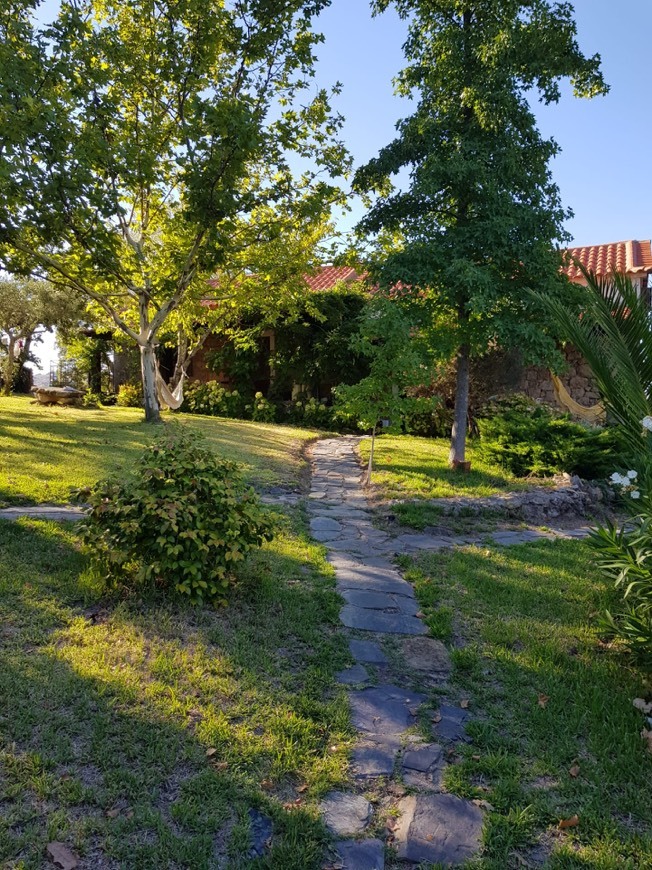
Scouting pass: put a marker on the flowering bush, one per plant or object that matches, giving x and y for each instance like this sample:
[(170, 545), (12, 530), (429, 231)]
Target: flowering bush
[(262, 410), (213, 399)]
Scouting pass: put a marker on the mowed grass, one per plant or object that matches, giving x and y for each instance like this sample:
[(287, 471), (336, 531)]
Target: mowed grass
[(555, 734), (407, 467), (47, 452), (142, 733)]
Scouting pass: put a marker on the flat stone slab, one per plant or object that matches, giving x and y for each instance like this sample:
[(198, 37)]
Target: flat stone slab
[(451, 725), (381, 601), (379, 621), (375, 759), (325, 524), (423, 757), (383, 710), (367, 651), (361, 855), (261, 830), (423, 767), (57, 513), (427, 655), (349, 677), (365, 581), (438, 829), (344, 813)]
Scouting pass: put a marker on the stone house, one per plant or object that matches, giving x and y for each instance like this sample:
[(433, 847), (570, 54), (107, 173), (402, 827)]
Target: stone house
[(501, 372)]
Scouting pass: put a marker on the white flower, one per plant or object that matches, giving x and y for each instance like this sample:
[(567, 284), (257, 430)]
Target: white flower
[(617, 479), (635, 494), (632, 475), (646, 423)]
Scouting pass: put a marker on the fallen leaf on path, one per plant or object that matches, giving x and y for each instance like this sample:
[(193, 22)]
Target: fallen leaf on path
[(112, 814), (574, 771), (391, 825), (266, 784), (483, 804), (420, 615), (302, 788), (62, 856), (220, 765), (543, 700), (573, 822), (464, 704), (436, 718), (210, 752)]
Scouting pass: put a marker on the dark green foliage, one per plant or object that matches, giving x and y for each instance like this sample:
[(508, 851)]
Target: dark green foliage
[(528, 438), (612, 329), (182, 522), (315, 349), (624, 555)]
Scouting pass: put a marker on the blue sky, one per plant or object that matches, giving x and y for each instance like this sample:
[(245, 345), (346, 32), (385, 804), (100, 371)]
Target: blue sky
[(603, 172)]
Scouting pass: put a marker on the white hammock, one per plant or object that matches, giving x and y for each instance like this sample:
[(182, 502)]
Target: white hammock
[(172, 399)]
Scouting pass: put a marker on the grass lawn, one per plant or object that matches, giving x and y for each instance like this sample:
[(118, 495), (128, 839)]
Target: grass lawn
[(141, 734), (46, 452), (407, 467), (555, 733)]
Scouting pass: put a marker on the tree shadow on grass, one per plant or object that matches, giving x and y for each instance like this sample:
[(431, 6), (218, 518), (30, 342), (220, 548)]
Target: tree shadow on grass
[(549, 695), (108, 711)]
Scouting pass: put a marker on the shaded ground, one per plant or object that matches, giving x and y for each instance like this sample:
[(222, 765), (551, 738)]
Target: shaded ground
[(46, 452), (145, 734), (556, 734)]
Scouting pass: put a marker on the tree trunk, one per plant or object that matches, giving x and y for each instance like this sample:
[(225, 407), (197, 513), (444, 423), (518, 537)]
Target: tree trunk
[(8, 373), (95, 371), (148, 370), (457, 455)]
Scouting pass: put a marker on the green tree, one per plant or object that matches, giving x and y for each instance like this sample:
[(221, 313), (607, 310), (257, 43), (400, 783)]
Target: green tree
[(477, 225), (140, 141), (29, 308), (397, 358)]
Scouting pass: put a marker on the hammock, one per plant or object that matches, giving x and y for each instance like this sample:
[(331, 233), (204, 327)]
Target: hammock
[(172, 399), (595, 414)]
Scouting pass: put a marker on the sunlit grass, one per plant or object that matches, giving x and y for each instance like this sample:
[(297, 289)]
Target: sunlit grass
[(45, 452), (143, 731), (407, 467)]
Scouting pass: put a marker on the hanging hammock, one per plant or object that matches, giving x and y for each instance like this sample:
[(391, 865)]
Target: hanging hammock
[(595, 414), (172, 399)]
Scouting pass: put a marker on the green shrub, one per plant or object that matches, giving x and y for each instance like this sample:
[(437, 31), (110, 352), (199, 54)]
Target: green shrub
[(262, 410), (625, 556), (528, 438), (130, 396), (182, 522), (213, 399)]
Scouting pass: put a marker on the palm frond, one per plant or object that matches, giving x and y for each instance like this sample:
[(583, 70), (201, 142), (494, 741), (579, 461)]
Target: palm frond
[(613, 332)]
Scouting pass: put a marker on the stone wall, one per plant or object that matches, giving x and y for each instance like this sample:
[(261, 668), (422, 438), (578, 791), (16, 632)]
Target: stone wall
[(578, 379)]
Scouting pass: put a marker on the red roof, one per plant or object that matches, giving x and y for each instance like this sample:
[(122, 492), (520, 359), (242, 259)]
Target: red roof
[(328, 276), (631, 258)]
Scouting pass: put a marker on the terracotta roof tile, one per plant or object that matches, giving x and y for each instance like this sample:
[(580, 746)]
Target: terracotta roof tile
[(328, 276), (632, 258)]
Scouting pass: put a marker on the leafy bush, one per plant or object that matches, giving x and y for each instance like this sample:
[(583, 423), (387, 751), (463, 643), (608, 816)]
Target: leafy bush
[(130, 396), (625, 556), (528, 438), (262, 410), (182, 522), (213, 399)]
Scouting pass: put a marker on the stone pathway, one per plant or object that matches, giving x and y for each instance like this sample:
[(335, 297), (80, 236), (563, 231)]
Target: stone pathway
[(392, 760), (57, 512), (394, 663)]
